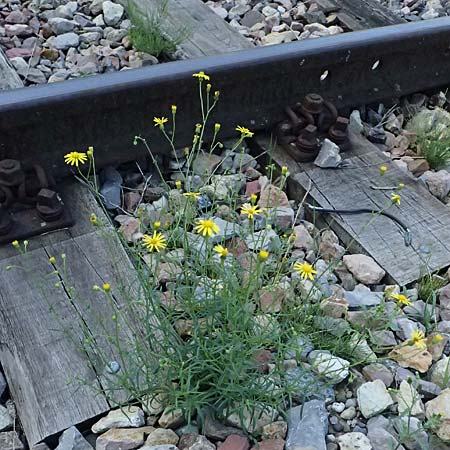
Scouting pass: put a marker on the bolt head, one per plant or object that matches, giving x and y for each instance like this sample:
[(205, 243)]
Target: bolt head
[(11, 173), (47, 197)]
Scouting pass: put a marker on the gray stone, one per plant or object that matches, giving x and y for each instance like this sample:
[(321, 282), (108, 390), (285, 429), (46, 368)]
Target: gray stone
[(405, 327), (194, 441), (427, 120), (112, 13), (162, 436), (361, 299), (216, 430), (263, 240), (126, 417), (159, 447), (252, 419), (381, 439), (412, 426), (72, 439), (10, 440), (307, 426), (329, 155), (91, 37), (20, 65), (420, 310), (304, 385), (36, 76), (60, 25), (66, 11), (438, 183), (65, 41), (378, 371), (6, 421), (440, 372), (3, 384), (251, 18), (20, 30), (356, 125), (111, 193), (171, 418), (373, 398)]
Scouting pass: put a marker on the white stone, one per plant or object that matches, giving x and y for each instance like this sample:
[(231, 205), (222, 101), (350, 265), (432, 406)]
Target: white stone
[(441, 405), (328, 156), (364, 268), (373, 398), (440, 372), (354, 441), (127, 417), (112, 13), (409, 402), (332, 367)]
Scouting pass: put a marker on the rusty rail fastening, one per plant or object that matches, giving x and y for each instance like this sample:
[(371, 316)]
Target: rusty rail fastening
[(308, 123), (29, 202)]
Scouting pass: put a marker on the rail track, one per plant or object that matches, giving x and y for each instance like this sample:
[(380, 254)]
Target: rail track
[(108, 111), (45, 122)]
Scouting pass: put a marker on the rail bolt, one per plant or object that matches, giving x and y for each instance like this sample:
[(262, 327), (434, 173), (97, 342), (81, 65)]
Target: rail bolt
[(49, 206), (307, 140), (11, 173), (338, 131), (313, 103), (5, 222)]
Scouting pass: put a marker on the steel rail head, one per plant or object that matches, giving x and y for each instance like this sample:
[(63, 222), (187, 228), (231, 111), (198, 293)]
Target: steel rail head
[(107, 111)]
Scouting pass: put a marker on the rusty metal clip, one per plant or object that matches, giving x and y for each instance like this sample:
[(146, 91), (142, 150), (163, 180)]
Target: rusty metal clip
[(29, 202)]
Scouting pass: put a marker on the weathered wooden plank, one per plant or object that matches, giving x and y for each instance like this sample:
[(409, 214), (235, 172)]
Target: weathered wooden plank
[(378, 236), (208, 34), (41, 364), (9, 78), (44, 352), (361, 14)]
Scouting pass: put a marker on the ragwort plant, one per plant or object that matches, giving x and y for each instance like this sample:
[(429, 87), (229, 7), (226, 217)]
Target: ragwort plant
[(210, 326)]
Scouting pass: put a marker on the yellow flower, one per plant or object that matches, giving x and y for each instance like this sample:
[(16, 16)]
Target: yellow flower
[(93, 219), (206, 227), (284, 171), (178, 184), (222, 251), (216, 127), (216, 95), (400, 186), (437, 338), (174, 109), (198, 127), (208, 87), (156, 225), (418, 339), (263, 255), (395, 198), (15, 244), (305, 270), (160, 121), (383, 170), (253, 198), (245, 132), (106, 287), (194, 195), (201, 76), (250, 210), (90, 152), (402, 299), (75, 158), (52, 259), (155, 242)]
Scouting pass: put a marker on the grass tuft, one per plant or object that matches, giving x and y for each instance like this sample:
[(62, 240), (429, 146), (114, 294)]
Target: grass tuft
[(434, 148), (151, 31)]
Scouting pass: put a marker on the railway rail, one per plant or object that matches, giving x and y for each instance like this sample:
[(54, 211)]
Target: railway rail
[(108, 111)]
